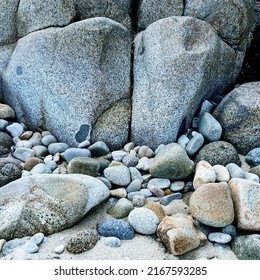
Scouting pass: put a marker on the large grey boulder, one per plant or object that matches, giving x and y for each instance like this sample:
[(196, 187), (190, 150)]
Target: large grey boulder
[(232, 19), (37, 14), (239, 116), (179, 61), (70, 77), (8, 11), (47, 203), (118, 10)]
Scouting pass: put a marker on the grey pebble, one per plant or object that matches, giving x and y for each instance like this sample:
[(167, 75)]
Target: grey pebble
[(51, 164), (48, 139), (57, 148), (23, 154), (138, 200), (143, 192), (209, 127), (231, 230), (156, 191), (40, 168), (84, 144), (37, 238), (40, 151), (177, 186), (118, 175), (59, 249), (253, 157), (9, 246), (23, 144), (31, 248), (48, 158), (36, 139), (111, 241), (15, 129), (135, 174), (169, 198), (206, 107), (134, 186), (106, 182), (145, 151), (99, 149), (118, 155), (129, 146), (160, 183), (183, 141), (72, 153), (219, 237), (195, 143), (3, 124), (130, 160)]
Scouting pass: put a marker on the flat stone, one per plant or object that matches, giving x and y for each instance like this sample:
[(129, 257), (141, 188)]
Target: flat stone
[(142, 192), (55, 148), (40, 168), (48, 139), (219, 237), (37, 238), (143, 221), (177, 186), (6, 112), (118, 175), (212, 205), (116, 228), (121, 209), (84, 144), (31, 248), (23, 144), (9, 246), (15, 129), (72, 153), (204, 174), (84, 165), (156, 191), (177, 206), (246, 197), (169, 198), (23, 154)]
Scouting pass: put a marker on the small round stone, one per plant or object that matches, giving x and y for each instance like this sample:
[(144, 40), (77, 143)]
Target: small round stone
[(253, 157), (82, 241), (138, 201), (130, 160), (57, 148), (195, 143), (142, 192), (6, 112), (40, 151), (116, 228), (143, 220), (145, 151), (160, 183), (26, 135), (45, 132), (59, 249), (72, 153), (118, 155), (84, 144), (52, 165), (121, 209), (219, 237), (31, 248), (177, 186), (209, 127), (183, 141), (3, 125), (23, 144), (99, 149), (120, 192), (169, 198), (37, 238), (118, 175), (222, 174), (231, 230), (156, 191), (129, 146), (111, 241), (23, 154), (10, 170), (48, 139), (134, 186), (36, 139)]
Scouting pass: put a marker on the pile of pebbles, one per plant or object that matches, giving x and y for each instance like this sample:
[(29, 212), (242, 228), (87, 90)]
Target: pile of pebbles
[(145, 185)]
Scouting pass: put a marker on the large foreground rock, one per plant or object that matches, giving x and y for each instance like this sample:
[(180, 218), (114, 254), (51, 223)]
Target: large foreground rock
[(70, 77), (239, 116), (47, 203), (179, 61)]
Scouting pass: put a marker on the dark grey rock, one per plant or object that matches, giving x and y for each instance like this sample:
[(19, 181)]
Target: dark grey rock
[(253, 157), (72, 153), (130, 160), (98, 149), (209, 127), (6, 143), (231, 230), (218, 153), (169, 198), (116, 228), (10, 170), (84, 165)]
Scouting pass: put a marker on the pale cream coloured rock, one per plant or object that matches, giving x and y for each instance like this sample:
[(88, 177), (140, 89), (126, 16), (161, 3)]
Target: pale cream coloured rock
[(120, 192), (204, 174), (222, 174), (246, 197)]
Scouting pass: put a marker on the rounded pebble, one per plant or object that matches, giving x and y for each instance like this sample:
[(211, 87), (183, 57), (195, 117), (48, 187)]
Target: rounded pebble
[(99, 149), (222, 174), (40, 168), (15, 129), (31, 248), (37, 238), (111, 241), (169, 198), (138, 201), (59, 249), (72, 153), (160, 183), (48, 139), (219, 237), (195, 143), (54, 148), (118, 175), (134, 186), (231, 230), (177, 186), (209, 127), (118, 155)]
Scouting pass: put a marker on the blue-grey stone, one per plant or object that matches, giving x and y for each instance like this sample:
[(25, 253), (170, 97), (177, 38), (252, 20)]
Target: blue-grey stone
[(134, 186), (160, 183), (106, 182), (219, 237), (118, 175), (169, 198), (118, 155), (48, 139), (37, 238), (138, 200), (177, 186), (116, 228), (135, 174), (3, 124), (40, 151), (15, 129), (40, 168), (130, 160), (209, 127), (99, 149), (253, 157), (206, 107), (142, 192), (9, 246), (231, 230), (31, 248), (23, 154), (183, 141), (51, 164), (195, 143), (59, 147), (72, 153), (111, 241)]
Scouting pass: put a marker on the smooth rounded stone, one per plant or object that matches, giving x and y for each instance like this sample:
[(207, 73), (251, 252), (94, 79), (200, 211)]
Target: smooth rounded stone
[(48, 139), (183, 141), (188, 188), (23, 144), (219, 152), (3, 125), (251, 177), (204, 174), (120, 192), (31, 248), (15, 129), (172, 162), (231, 230), (255, 170), (52, 165), (84, 165), (121, 209), (235, 171), (145, 151), (212, 205), (36, 139), (246, 197), (135, 174), (253, 157), (82, 241), (10, 170), (134, 186), (160, 183), (138, 200), (219, 237), (156, 191), (6, 112), (59, 249), (239, 116), (177, 186), (222, 174), (118, 175), (31, 162), (99, 149), (84, 144), (26, 135), (195, 143), (59, 147), (111, 241), (2, 243), (116, 228), (118, 155), (6, 143), (9, 246), (143, 220), (40, 151), (56, 171), (129, 146), (157, 209), (143, 192), (72, 153), (45, 132), (246, 247), (40, 168), (23, 154), (103, 162), (37, 238), (169, 198), (144, 164), (206, 107), (130, 160), (177, 206), (209, 127), (106, 182)]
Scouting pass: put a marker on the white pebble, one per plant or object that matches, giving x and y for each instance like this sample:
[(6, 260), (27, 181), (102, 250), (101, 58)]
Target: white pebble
[(59, 249), (222, 174)]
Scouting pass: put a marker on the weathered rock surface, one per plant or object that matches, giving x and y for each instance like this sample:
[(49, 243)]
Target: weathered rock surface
[(239, 116), (47, 203), (96, 51), (178, 62)]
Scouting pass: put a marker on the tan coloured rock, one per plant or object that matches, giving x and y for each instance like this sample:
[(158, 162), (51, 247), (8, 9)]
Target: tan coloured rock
[(246, 197), (179, 234), (212, 205)]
